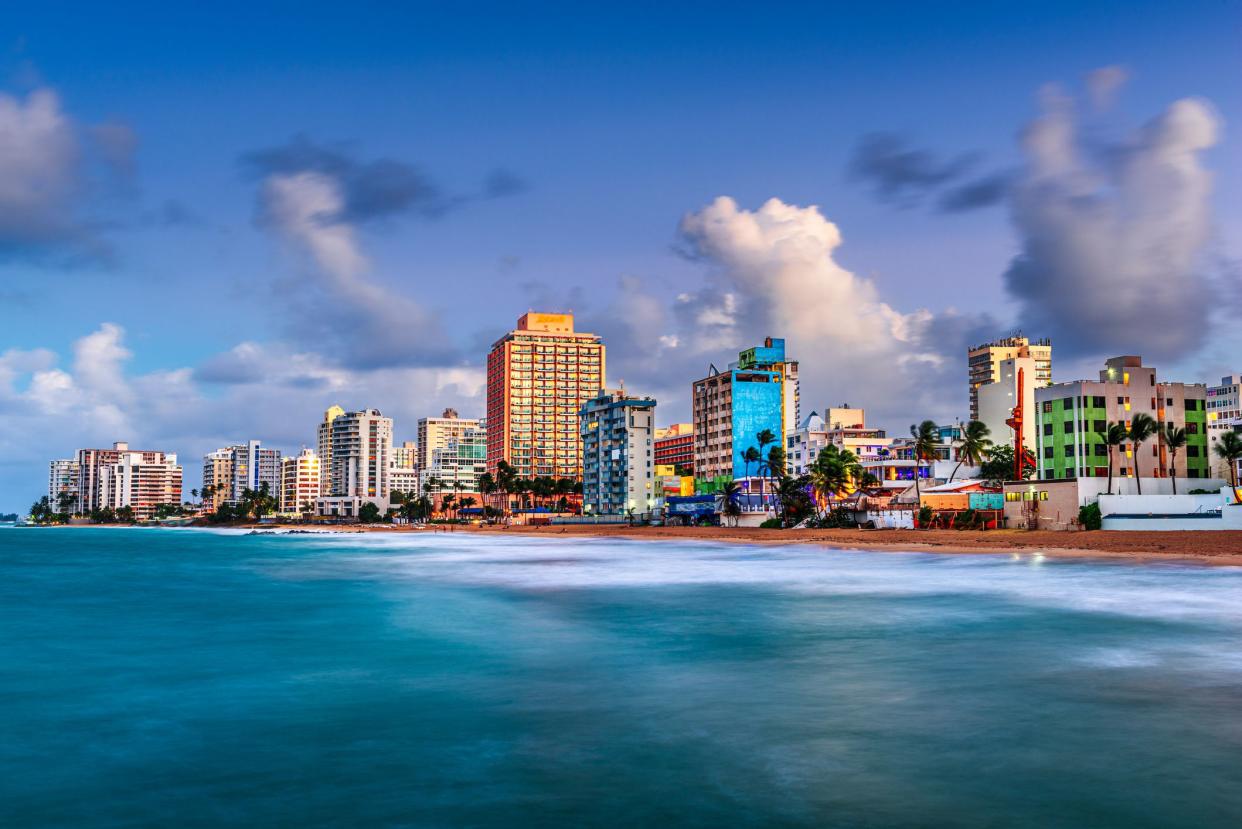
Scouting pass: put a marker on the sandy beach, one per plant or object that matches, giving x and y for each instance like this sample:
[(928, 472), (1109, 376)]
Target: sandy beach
[(1219, 548)]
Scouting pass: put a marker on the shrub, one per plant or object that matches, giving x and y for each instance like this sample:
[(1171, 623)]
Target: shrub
[(968, 520), (925, 516), (771, 524), (1089, 517)]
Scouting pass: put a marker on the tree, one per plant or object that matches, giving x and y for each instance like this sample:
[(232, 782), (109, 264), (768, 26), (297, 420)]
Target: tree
[(832, 472), (487, 486), (998, 467), (972, 446), (1174, 439), (446, 504), (1142, 427), (193, 493), (125, 515), (467, 502), (41, 511), (1229, 449), (103, 516), (64, 504), (751, 455), (794, 503), (926, 438), (1114, 435), (730, 492), (369, 513)]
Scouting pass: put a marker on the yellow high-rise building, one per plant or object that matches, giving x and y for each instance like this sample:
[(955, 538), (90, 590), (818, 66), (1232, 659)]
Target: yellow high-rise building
[(324, 445)]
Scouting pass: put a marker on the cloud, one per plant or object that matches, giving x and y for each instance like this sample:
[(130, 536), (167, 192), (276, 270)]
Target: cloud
[(1104, 83), (1112, 249), (899, 173), (984, 191)]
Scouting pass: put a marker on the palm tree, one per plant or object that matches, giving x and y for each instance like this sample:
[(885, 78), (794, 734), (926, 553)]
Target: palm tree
[(487, 486), (1142, 427), (730, 507), (926, 438), (833, 471), (466, 503), (1229, 448), (446, 504), (973, 446), (1113, 436), (750, 456), (1174, 438)]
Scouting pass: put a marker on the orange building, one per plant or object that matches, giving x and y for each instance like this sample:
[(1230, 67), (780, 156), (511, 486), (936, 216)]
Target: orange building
[(538, 377)]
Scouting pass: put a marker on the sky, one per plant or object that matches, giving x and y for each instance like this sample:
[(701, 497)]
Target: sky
[(215, 222)]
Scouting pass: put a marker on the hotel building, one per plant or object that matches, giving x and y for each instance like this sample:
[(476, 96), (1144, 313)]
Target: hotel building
[(148, 480), (538, 377), (452, 450), (232, 470), (403, 473), (361, 452), (731, 407), (1071, 416), (844, 428), (323, 447), (997, 400), (299, 483), (984, 364), (618, 455), (1224, 414), (62, 479), (674, 446)]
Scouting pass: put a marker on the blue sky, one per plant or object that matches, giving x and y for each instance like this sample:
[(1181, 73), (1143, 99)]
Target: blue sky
[(611, 125)]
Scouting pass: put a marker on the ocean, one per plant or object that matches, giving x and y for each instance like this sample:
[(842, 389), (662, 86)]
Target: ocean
[(186, 678)]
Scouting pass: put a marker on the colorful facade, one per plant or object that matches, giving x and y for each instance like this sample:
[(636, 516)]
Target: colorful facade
[(299, 483), (538, 377), (674, 446), (618, 467)]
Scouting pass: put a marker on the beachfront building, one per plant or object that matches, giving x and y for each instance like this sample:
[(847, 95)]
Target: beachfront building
[(896, 466), (142, 481), (844, 427), (997, 400), (323, 447), (62, 484), (731, 407), (618, 454), (1071, 417), (92, 464), (361, 452), (674, 446), (403, 471), (452, 454), (1224, 414), (984, 364), (299, 483), (231, 470), (538, 377)]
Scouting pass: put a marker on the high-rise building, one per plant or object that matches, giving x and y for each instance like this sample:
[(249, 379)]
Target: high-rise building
[(403, 472), (1071, 417), (733, 406), (136, 488), (323, 448), (674, 446), (984, 364), (299, 482), (452, 454), (997, 400), (538, 377), (361, 451), (1224, 414), (844, 428), (231, 470), (142, 481), (618, 455), (62, 481)]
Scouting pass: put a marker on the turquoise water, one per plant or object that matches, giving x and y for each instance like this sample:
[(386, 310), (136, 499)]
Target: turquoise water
[(174, 678)]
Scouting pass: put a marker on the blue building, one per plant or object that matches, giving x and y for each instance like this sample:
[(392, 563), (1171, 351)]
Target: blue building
[(731, 407), (618, 454)]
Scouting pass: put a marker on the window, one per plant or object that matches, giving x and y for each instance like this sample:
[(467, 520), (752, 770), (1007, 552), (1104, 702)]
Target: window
[(1192, 451), (1013, 496), (1101, 450), (1068, 426), (1101, 426), (1047, 428), (1047, 406), (1048, 452), (1069, 450), (1098, 401), (1192, 428)]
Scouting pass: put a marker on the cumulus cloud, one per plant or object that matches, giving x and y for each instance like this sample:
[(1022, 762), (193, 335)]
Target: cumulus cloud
[(1112, 248)]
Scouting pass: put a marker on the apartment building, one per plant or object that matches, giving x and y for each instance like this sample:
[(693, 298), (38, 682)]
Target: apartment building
[(299, 483), (62, 481), (403, 473), (323, 447), (618, 467), (538, 377), (731, 407), (1224, 414), (231, 470), (674, 446), (1071, 417), (844, 427), (984, 364), (141, 481), (452, 454), (997, 400), (92, 464), (361, 452)]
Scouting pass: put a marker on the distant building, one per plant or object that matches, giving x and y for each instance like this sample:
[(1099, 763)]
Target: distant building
[(731, 407), (323, 447), (618, 472), (844, 428), (299, 482), (403, 472), (62, 479), (897, 466), (538, 376), (1224, 414), (997, 400), (984, 364), (231, 470), (674, 446), (124, 477), (452, 454), (1071, 416), (361, 452)]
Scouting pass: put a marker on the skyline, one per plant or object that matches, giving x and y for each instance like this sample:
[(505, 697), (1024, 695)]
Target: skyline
[(326, 213)]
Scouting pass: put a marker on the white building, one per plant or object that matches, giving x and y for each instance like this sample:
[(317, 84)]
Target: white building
[(231, 470), (62, 479), (1224, 414), (143, 484), (452, 454), (998, 398), (323, 447), (299, 482), (618, 454), (844, 427), (403, 473), (92, 464), (361, 447)]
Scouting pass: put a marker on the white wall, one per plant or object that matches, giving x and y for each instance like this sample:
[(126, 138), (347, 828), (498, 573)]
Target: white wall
[(1091, 488), (1171, 505)]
